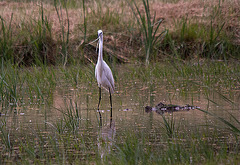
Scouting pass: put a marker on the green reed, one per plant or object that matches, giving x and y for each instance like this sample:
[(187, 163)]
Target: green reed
[(133, 151), (72, 117), (65, 33), (233, 126), (5, 137), (6, 41), (17, 86), (169, 126), (10, 86), (198, 147), (147, 24), (195, 39)]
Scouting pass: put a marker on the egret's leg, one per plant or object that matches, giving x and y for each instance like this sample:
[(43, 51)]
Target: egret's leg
[(99, 105), (111, 106)]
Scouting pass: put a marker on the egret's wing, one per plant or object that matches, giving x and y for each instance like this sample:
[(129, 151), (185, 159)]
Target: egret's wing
[(96, 74), (108, 74)]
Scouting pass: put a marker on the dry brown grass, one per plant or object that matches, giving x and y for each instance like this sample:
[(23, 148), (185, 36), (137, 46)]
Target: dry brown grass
[(197, 10), (170, 12), (201, 11), (25, 12)]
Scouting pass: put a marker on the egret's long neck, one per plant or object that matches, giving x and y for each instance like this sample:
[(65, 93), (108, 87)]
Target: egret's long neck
[(100, 52)]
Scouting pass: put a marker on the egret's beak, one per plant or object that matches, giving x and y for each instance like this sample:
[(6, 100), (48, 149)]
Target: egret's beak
[(94, 41)]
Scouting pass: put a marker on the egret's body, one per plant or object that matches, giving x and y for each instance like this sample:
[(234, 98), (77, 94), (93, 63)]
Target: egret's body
[(103, 73)]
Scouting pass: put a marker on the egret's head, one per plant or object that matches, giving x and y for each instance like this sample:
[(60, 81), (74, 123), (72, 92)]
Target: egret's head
[(100, 34)]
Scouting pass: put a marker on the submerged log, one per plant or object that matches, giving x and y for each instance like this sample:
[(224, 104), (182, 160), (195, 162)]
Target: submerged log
[(160, 108)]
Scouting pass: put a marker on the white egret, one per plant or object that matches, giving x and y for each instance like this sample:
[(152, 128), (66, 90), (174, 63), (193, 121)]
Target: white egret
[(103, 74)]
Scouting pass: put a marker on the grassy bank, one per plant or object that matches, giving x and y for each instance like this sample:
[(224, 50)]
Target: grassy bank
[(57, 33)]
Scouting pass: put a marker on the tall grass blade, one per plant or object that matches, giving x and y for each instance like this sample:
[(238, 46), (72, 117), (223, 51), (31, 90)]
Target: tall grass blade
[(84, 20), (6, 41), (169, 126), (232, 127), (65, 35), (147, 26)]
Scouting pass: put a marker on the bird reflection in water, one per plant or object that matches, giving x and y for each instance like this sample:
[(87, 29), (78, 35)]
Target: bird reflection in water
[(105, 139)]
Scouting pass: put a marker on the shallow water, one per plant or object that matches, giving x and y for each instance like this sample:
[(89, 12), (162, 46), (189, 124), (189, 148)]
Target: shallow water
[(129, 101)]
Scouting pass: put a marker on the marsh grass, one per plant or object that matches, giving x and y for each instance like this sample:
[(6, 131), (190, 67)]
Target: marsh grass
[(10, 82), (39, 41), (225, 75), (5, 137), (207, 37), (6, 42), (20, 87), (72, 117), (36, 85), (169, 126), (64, 33), (134, 151), (149, 27), (195, 40)]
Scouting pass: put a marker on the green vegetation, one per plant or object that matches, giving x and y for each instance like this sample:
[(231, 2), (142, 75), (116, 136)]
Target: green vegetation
[(147, 27), (48, 92)]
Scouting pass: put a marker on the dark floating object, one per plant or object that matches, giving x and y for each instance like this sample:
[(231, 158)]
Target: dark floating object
[(161, 108)]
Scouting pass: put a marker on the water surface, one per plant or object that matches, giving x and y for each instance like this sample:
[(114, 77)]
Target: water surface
[(129, 101)]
